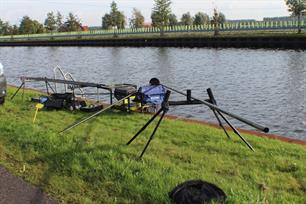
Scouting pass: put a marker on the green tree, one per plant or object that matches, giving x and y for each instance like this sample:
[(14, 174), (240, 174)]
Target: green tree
[(200, 18), (29, 26), (50, 22), (186, 19), (154, 18), (137, 19), (297, 8), (160, 14), (217, 19), (3, 27), (106, 21), (7, 29), (115, 19), (173, 20), (13, 30), (73, 23)]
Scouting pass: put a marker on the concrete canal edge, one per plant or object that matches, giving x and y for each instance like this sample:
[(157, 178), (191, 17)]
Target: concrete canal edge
[(281, 42)]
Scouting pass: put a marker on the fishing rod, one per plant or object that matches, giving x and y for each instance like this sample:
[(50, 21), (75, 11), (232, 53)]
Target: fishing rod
[(214, 107), (95, 114)]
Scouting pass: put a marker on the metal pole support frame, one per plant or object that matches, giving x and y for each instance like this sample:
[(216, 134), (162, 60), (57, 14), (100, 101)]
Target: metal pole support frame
[(213, 101)]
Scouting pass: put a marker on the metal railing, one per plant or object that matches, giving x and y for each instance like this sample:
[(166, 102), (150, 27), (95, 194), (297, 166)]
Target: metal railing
[(205, 28)]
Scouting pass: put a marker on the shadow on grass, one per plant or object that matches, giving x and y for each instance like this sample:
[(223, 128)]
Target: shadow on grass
[(60, 163)]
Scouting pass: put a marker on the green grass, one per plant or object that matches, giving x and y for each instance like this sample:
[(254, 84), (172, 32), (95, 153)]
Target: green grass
[(92, 164)]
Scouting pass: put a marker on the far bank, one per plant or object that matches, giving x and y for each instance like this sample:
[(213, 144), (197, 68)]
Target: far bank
[(277, 41)]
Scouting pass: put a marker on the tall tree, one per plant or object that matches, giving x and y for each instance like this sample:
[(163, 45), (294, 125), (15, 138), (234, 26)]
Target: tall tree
[(173, 20), (160, 14), (200, 18), (115, 19), (59, 20), (297, 8), (186, 19), (217, 19), (137, 19), (114, 13), (50, 22)]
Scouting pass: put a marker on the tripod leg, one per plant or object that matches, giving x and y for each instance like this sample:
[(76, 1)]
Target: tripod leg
[(221, 125), (23, 89), (235, 131), (47, 88), (22, 84), (152, 135), (144, 127), (212, 100)]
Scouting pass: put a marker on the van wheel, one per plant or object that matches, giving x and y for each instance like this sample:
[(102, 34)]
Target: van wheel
[(2, 100)]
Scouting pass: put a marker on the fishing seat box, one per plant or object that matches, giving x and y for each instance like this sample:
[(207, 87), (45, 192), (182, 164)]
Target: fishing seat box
[(122, 92), (59, 100)]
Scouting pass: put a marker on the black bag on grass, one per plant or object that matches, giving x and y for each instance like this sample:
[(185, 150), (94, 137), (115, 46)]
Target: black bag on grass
[(197, 192)]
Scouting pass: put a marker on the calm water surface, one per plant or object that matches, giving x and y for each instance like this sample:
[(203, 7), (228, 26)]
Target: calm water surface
[(266, 86)]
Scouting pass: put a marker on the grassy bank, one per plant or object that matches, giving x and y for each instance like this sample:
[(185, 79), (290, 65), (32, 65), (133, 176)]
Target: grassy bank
[(175, 35), (92, 164)]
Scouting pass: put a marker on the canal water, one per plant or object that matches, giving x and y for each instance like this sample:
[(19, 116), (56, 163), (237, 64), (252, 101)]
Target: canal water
[(265, 86)]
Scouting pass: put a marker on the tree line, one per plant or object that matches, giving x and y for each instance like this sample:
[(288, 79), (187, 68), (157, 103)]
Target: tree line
[(53, 23), (161, 16)]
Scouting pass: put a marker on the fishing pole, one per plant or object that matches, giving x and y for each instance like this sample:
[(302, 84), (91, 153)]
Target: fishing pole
[(95, 114), (214, 107)]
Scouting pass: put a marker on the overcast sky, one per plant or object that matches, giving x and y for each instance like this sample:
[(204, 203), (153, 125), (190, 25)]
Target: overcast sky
[(91, 11)]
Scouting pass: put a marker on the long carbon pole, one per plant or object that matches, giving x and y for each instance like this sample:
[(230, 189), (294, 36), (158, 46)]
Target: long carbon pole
[(22, 84), (95, 114), (248, 122)]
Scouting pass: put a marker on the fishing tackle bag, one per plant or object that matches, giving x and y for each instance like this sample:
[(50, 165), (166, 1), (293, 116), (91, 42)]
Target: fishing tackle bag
[(151, 94)]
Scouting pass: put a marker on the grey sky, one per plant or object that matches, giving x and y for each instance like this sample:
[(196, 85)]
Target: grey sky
[(91, 11)]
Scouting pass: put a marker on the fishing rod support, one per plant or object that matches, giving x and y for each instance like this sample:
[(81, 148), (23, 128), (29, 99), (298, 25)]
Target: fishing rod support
[(210, 105), (164, 109)]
